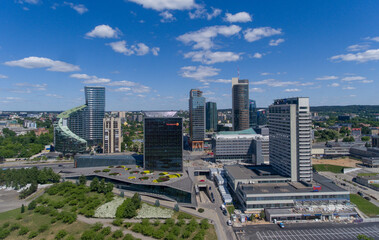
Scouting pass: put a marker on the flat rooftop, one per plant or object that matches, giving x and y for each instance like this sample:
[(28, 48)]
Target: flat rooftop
[(293, 187), (252, 172)]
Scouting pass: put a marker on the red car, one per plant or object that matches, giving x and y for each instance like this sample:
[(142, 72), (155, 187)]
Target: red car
[(202, 180)]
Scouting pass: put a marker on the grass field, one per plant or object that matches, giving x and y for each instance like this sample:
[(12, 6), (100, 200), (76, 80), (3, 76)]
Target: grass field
[(230, 208), (365, 206), (328, 168), (375, 185), (367, 174)]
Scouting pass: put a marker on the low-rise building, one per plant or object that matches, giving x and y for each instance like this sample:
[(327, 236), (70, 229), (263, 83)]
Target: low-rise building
[(375, 141), (371, 181)]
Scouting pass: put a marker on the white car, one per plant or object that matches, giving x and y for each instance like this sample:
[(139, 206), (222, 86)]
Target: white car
[(229, 223)]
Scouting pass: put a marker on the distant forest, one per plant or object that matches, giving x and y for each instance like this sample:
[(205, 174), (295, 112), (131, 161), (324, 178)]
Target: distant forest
[(357, 109)]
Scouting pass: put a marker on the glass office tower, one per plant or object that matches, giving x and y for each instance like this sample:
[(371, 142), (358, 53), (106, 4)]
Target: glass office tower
[(253, 118), (95, 101), (163, 141), (197, 119), (240, 105), (211, 116)]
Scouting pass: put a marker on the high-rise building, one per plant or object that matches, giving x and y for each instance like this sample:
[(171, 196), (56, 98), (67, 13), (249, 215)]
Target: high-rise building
[(253, 118), (240, 105), (262, 117), (290, 138), (197, 119), (163, 141), (112, 137), (211, 116), (95, 101)]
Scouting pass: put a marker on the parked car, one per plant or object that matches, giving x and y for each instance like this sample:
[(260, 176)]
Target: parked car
[(225, 212), (360, 194), (367, 198), (281, 225), (229, 223)]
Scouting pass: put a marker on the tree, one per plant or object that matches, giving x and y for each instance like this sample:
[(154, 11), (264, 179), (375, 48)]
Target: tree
[(365, 138), (348, 139), (82, 180), (364, 237), (176, 208), (136, 200), (101, 186), (22, 208), (262, 214), (94, 186), (157, 204)]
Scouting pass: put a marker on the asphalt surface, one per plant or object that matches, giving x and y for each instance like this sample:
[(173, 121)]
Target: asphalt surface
[(308, 231)]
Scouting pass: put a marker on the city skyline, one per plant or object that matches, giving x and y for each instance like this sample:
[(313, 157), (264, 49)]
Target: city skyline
[(149, 55)]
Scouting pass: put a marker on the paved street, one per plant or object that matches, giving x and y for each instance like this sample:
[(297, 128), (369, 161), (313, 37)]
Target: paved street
[(311, 231)]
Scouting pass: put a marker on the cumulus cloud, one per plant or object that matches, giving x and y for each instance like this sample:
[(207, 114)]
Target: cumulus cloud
[(348, 88), (275, 83), (367, 81), (254, 34), (257, 55), (292, 90), (334, 85), (327, 78), (201, 12), (238, 17), (353, 78), (138, 49), (160, 5), (38, 87), (104, 31), (276, 42), (369, 55), (28, 1), (256, 90), (129, 86), (3, 76), (357, 47), (375, 39), (209, 57), (167, 17), (199, 73), (202, 39), (79, 8), (41, 62), (87, 79)]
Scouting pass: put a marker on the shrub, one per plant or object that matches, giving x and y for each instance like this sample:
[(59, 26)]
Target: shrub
[(129, 237), (97, 226), (158, 234), (127, 209), (105, 231), (5, 225), (137, 228), (61, 234), (70, 238), (192, 225), (181, 222), (88, 235), (157, 223), (169, 221), (96, 171), (175, 230), (43, 228), (22, 208), (67, 217), (117, 222), (14, 227), (32, 235), (23, 230), (200, 210), (19, 217), (128, 224), (204, 224), (106, 170), (176, 208), (117, 234), (157, 204), (4, 233), (32, 205), (186, 234), (183, 215)]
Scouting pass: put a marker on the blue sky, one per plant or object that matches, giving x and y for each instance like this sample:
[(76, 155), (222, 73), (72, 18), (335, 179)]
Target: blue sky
[(150, 53)]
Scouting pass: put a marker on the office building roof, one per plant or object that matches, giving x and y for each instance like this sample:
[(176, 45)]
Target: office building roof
[(160, 114), (67, 113), (251, 172)]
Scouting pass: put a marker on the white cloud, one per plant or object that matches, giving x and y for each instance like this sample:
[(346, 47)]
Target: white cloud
[(167, 17), (209, 57), (256, 90), (28, 1), (201, 12), (353, 78), (357, 47), (327, 78), (202, 38), (199, 73), (369, 55), (375, 39), (238, 17), (275, 83), (40, 62), (218, 81), (367, 81), (348, 88), (160, 5), (257, 55), (334, 85), (292, 90), (38, 87), (53, 95), (104, 31), (13, 98), (80, 8), (276, 42), (3, 76), (128, 85), (139, 49), (265, 73), (254, 34), (90, 79)]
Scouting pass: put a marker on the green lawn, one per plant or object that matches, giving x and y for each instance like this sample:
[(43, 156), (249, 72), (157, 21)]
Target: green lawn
[(375, 185), (328, 168), (367, 174), (365, 206), (230, 208)]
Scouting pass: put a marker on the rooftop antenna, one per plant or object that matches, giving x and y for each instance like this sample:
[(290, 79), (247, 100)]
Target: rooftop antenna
[(238, 72)]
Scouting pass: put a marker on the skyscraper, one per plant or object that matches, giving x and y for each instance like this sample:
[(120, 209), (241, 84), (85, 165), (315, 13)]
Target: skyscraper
[(290, 138), (211, 116), (240, 105), (112, 137), (197, 119), (95, 101), (163, 141), (253, 118)]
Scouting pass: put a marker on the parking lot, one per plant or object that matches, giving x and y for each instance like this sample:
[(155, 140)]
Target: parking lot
[(309, 233)]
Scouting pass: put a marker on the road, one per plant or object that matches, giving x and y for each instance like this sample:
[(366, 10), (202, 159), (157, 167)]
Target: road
[(308, 231)]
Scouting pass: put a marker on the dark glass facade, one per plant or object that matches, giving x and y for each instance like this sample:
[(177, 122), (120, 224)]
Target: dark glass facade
[(163, 148), (95, 101), (240, 97), (211, 116), (253, 118), (197, 115)]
